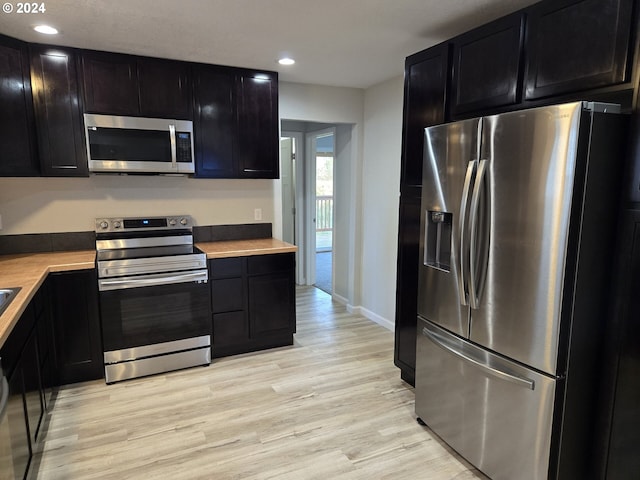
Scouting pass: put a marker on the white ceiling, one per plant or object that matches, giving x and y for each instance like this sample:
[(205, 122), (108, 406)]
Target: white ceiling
[(348, 43)]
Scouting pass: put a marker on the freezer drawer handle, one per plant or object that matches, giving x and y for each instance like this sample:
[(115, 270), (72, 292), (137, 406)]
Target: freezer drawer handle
[(442, 343)]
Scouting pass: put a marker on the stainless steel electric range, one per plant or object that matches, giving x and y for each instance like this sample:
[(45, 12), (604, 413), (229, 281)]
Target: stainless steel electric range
[(154, 296)]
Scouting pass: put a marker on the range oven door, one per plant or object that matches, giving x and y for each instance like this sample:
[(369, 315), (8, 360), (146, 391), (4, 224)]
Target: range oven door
[(145, 310)]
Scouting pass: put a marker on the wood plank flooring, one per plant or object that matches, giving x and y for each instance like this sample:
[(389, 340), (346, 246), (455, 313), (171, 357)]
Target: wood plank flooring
[(332, 406)]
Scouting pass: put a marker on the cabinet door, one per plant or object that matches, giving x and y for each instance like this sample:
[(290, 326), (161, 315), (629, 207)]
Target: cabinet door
[(59, 119), (32, 387), (214, 122), (46, 347), (621, 412), (15, 451), (407, 287), (271, 304), (575, 45), (230, 328), (77, 326), (258, 142), (486, 65), (110, 83), (425, 85), (227, 295), (164, 88), (17, 128)]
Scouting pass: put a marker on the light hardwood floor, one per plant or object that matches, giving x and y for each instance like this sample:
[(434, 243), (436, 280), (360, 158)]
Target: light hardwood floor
[(332, 406)]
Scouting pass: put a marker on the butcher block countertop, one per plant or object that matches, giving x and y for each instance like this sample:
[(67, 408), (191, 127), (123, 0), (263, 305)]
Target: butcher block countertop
[(28, 271), (245, 248)]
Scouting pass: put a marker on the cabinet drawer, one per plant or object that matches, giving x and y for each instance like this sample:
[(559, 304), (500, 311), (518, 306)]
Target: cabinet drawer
[(227, 267), (230, 328), (270, 263), (227, 295)]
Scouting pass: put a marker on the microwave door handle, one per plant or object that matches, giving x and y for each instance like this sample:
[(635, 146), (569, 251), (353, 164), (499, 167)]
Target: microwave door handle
[(172, 137)]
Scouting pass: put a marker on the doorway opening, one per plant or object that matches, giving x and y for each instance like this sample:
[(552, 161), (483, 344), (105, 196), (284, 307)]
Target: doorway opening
[(323, 158), (309, 166)]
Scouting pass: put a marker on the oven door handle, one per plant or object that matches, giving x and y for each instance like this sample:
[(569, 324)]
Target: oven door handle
[(133, 282)]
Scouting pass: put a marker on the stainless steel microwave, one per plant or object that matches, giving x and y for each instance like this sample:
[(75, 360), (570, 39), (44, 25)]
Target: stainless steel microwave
[(139, 145)]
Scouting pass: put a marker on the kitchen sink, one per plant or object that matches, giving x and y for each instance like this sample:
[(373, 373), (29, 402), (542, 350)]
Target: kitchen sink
[(6, 295)]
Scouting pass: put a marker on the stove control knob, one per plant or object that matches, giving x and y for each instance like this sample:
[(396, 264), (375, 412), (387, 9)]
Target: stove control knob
[(172, 222), (183, 221), (104, 225), (117, 224)]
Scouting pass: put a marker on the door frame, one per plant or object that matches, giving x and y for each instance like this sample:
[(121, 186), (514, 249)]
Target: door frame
[(300, 215)]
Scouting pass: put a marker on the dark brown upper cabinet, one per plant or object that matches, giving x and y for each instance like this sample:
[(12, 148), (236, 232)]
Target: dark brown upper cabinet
[(214, 121), (257, 139), (576, 45), (58, 112), (235, 123), (425, 90), (110, 83), (116, 84), (164, 88), (487, 67), (17, 129)]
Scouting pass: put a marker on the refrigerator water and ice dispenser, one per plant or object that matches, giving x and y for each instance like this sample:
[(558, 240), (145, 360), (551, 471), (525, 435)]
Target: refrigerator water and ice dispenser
[(437, 249)]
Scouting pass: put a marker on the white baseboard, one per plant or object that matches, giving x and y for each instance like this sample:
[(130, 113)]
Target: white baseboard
[(357, 310), (389, 325), (340, 299)]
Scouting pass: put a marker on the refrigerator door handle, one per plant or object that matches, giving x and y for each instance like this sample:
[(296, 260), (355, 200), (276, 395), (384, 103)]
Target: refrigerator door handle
[(474, 299), (462, 283), (442, 342)]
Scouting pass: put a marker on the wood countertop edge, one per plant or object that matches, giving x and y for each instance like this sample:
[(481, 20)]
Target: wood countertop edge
[(245, 248), (28, 289), (249, 252)]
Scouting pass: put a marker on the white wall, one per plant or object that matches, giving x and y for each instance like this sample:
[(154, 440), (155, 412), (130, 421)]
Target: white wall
[(380, 199), (38, 205)]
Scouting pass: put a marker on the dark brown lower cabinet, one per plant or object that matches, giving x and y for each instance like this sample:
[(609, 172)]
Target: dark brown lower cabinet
[(24, 410), (407, 287), (14, 433), (253, 303), (78, 344), (621, 376), (32, 387)]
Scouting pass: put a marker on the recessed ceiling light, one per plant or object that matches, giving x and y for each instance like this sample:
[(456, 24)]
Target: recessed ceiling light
[(286, 61), (46, 29)]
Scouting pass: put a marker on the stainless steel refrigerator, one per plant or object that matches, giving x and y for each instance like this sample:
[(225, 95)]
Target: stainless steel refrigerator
[(518, 223)]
